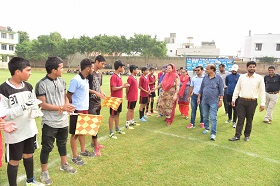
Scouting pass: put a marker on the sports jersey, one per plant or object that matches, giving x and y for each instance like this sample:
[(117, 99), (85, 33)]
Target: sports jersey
[(152, 78), (13, 99), (132, 94), (54, 92), (144, 83), (116, 81), (95, 82)]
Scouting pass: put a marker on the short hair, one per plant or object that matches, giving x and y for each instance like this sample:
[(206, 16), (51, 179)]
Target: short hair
[(181, 68), (271, 67), (152, 68), (52, 63), (132, 67), (17, 63), (99, 58), (118, 64), (201, 67), (144, 69), (213, 67), (222, 65), (251, 63), (86, 63)]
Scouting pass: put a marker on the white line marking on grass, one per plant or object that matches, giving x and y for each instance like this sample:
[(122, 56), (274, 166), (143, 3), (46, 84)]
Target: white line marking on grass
[(213, 144), (51, 164)]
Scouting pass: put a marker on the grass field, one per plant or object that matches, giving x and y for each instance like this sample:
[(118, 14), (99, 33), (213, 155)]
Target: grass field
[(154, 154)]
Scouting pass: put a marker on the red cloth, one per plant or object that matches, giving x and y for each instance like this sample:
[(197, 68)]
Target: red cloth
[(1, 149), (184, 81), (184, 109), (116, 81), (144, 83), (170, 120), (132, 94), (152, 78), (169, 78)]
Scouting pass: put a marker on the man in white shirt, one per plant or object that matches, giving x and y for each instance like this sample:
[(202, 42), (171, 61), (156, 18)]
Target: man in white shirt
[(249, 87)]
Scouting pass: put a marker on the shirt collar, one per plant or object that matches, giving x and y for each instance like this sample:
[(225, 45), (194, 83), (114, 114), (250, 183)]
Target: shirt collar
[(82, 75), (50, 78)]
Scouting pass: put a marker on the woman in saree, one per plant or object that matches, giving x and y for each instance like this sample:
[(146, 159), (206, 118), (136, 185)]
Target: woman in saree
[(168, 97), (183, 102)]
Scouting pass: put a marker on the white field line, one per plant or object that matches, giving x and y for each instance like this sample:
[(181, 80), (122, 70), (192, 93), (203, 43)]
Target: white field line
[(54, 162)]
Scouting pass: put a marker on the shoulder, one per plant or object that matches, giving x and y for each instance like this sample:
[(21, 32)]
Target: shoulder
[(28, 86)]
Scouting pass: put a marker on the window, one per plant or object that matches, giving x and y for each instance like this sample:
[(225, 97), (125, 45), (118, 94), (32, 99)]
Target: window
[(258, 46), (11, 36), (170, 50), (3, 35), (277, 47), (3, 47), (11, 47)]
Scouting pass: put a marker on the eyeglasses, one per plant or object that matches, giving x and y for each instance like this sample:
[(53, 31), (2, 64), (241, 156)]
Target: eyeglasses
[(196, 70)]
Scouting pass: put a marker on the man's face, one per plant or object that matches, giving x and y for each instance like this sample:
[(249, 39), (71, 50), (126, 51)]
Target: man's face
[(198, 71), (91, 69), (59, 70), (121, 69), (100, 65), (251, 68), (208, 69), (135, 71), (271, 71), (233, 72), (221, 68), (25, 73), (152, 72)]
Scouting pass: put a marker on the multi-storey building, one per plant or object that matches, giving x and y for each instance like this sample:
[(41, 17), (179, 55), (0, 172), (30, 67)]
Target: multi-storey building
[(260, 45), (8, 42)]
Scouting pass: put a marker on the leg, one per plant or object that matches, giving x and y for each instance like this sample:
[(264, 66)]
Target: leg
[(241, 114), (194, 107), (73, 143), (206, 108), (271, 105), (249, 117), (229, 98), (213, 117), (61, 140)]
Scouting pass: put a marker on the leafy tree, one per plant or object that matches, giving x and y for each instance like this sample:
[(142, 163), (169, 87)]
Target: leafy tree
[(267, 59), (23, 36), (86, 45), (69, 49), (9, 29)]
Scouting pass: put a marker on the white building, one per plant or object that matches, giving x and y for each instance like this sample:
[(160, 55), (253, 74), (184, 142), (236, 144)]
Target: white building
[(8, 41), (260, 45), (207, 49)]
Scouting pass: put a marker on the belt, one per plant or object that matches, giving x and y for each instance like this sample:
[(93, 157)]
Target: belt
[(276, 92), (195, 94), (248, 99)]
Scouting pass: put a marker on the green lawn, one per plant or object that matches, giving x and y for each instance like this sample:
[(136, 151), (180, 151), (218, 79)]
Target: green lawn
[(154, 154)]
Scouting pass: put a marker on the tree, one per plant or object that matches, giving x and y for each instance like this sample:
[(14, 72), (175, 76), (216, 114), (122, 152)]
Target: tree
[(9, 29), (86, 45), (69, 48), (23, 36)]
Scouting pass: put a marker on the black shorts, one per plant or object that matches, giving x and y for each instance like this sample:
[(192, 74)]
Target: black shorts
[(116, 112), (152, 95), (73, 120), (131, 104), (94, 109), (15, 151), (143, 100)]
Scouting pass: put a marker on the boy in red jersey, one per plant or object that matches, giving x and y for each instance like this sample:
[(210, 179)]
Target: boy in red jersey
[(131, 96), (152, 82), (116, 88), (144, 93)]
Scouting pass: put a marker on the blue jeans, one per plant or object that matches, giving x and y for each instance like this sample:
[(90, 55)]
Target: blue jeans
[(210, 114), (194, 107)]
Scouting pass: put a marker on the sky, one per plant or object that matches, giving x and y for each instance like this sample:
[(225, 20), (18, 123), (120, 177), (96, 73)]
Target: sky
[(226, 22)]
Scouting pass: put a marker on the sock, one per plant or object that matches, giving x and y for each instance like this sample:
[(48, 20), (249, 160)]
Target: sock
[(111, 132), (12, 174), (131, 121), (29, 168), (140, 114), (147, 107), (143, 111), (152, 106), (117, 129)]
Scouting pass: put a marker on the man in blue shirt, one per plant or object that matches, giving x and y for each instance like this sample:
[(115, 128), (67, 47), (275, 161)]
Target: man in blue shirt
[(211, 98), (231, 81)]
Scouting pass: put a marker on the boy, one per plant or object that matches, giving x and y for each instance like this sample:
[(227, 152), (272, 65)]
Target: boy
[(51, 90), (116, 88), (144, 93), (95, 96), (78, 95), (132, 96), (152, 82), (18, 100)]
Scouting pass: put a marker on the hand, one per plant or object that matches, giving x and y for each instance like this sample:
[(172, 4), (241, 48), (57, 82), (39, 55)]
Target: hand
[(261, 108), (102, 96), (7, 126), (233, 103), (175, 97), (125, 85), (189, 99), (220, 103), (30, 104), (69, 108), (198, 101)]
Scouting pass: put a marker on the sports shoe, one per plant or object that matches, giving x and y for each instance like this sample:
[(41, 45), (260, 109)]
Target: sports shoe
[(190, 126), (187, 117), (87, 154), (128, 127), (45, 178), (234, 138), (100, 146), (228, 121), (120, 131), (201, 125), (143, 119), (267, 122), (78, 161), (35, 183), (213, 137), (134, 124), (148, 114), (247, 139), (112, 135), (205, 131), (68, 168), (97, 151), (234, 124)]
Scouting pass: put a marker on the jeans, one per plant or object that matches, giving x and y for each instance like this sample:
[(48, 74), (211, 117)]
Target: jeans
[(210, 114), (194, 107)]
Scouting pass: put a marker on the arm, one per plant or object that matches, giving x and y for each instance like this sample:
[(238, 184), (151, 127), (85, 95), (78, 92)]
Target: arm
[(262, 94), (221, 92), (236, 91)]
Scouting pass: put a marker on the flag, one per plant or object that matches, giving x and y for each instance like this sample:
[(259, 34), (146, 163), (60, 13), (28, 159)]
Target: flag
[(88, 124), (112, 102)]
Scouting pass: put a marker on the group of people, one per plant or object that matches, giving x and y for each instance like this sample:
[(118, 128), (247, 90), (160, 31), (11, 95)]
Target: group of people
[(19, 101)]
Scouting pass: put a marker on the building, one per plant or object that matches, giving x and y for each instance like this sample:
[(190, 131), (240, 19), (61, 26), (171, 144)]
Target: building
[(8, 42), (188, 49), (260, 45)]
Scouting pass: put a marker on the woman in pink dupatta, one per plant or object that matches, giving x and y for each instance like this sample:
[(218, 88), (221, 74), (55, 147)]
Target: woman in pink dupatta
[(183, 102), (168, 97)]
